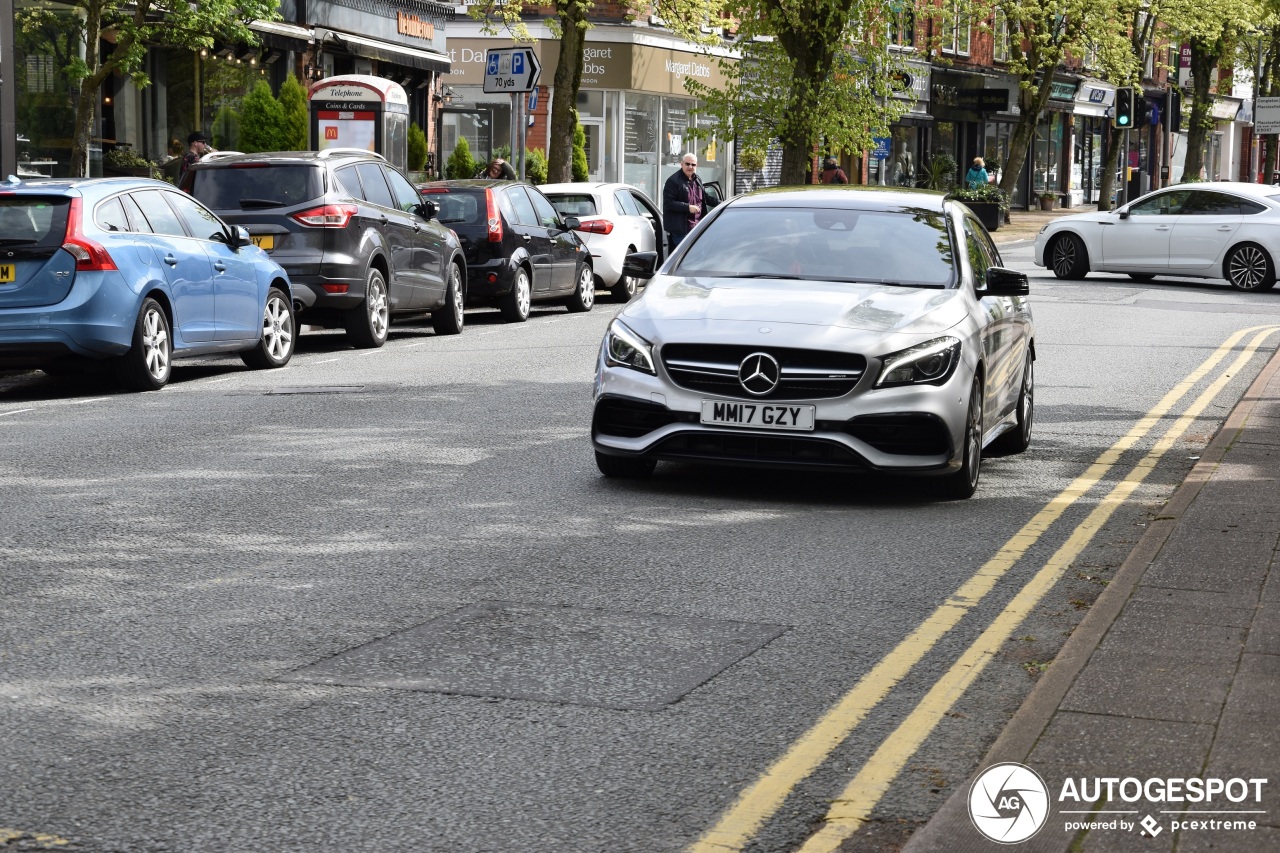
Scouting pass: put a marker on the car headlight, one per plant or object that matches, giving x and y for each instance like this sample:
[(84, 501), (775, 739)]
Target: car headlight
[(930, 363), (624, 348)]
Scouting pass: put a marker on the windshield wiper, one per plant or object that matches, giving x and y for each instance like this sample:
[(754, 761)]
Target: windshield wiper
[(459, 219), (246, 203)]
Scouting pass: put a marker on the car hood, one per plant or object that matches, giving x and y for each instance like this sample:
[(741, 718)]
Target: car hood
[(1082, 217), (865, 307)]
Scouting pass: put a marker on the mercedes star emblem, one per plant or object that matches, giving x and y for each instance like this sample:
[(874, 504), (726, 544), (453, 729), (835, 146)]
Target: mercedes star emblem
[(759, 374)]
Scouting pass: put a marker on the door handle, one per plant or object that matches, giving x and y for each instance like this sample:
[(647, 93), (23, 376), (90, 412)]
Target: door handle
[(171, 260), (416, 228), (1226, 228), (527, 237), (219, 266), (1163, 227)]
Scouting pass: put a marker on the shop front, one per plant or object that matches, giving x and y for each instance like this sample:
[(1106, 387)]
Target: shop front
[(638, 119), (1092, 126), (1050, 157), (908, 136)]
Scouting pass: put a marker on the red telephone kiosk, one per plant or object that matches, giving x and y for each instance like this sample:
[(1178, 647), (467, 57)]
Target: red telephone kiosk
[(361, 111)]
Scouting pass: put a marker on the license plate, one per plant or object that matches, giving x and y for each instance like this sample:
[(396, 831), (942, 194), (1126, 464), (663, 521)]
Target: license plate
[(6, 274), (758, 415), (266, 242)]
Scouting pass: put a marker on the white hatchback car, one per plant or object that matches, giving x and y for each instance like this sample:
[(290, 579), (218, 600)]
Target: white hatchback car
[(614, 221), (840, 329), (1222, 229)]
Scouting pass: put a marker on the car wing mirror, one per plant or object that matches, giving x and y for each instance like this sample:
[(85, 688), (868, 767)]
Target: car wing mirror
[(238, 236), (1124, 214), (1002, 281), (428, 209), (640, 264), (571, 223)]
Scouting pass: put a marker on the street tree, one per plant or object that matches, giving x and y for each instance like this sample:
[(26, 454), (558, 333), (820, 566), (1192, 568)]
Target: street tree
[(136, 25), (797, 81), (569, 25)]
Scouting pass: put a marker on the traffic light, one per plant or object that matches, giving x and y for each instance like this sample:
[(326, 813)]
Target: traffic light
[(1141, 111), (1122, 115), (1175, 112)]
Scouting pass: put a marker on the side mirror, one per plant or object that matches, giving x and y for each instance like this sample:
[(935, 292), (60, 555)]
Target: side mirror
[(571, 223), (1002, 281), (428, 210), (238, 237), (1124, 214), (643, 264)]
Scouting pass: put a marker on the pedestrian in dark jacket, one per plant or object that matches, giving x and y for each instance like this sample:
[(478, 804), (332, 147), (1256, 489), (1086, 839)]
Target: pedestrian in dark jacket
[(832, 173), (684, 202), (197, 146)]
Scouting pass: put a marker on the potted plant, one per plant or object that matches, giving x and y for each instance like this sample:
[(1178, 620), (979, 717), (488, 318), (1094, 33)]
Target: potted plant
[(124, 161), (1047, 200), (988, 203), (940, 171)]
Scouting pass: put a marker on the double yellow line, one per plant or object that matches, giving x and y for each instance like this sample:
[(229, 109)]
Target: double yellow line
[(759, 802)]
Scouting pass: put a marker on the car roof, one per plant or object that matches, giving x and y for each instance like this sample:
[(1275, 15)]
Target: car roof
[(470, 183), (66, 185), (1256, 190), (584, 186), (307, 157), (851, 196)]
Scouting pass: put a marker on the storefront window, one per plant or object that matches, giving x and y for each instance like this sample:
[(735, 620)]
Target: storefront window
[(640, 143), (45, 42), (1048, 151), (903, 150)]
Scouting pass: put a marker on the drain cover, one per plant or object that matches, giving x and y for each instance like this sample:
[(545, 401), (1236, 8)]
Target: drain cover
[(568, 655), (316, 389)]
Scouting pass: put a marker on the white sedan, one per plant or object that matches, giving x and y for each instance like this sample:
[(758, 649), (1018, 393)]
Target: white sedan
[(1208, 230), (614, 221)]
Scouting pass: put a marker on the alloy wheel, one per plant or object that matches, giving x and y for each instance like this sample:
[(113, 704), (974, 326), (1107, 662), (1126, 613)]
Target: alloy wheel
[(522, 293), (973, 435), (455, 282), (587, 288), (1064, 257), (378, 309), (1248, 268), (277, 328), (156, 344)]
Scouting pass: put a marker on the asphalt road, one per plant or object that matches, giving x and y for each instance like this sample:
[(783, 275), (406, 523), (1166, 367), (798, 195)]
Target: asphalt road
[(382, 600)]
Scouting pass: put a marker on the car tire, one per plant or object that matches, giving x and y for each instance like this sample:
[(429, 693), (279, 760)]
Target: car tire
[(963, 483), (515, 303), (369, 322), (624, 467), (148, 364), (1018, 439), (1068, 257), (626, 286), (584, 292), (450, 317), (1142, 276), (1249, 268), (279, 334)]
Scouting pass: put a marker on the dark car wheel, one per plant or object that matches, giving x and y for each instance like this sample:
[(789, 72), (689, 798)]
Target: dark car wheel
[(963, 483), (368, 323), (1068, 257), (584, 294), (449, 318), (149, 362), (1018, 439), (278, 334), (515, 304), (1248, 267), (627, 467)]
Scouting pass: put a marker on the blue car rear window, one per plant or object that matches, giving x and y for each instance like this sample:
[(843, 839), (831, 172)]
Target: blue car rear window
[(31, 220), (257, 186)]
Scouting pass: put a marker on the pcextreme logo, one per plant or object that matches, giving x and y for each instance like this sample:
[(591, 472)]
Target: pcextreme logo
[(1009, 803)]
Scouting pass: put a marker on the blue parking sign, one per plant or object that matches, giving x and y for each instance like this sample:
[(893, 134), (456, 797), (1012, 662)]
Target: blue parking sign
[(517, 63), (493, 64)]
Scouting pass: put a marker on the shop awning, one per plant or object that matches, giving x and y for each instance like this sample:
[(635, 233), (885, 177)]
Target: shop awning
[(282, 36), (425, 60)]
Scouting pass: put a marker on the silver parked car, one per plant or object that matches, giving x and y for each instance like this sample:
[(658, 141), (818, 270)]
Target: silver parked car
[(1222, 229), (847, 329), (614, 220)]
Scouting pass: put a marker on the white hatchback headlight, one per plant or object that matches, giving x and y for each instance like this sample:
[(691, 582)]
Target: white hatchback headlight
[(624, 348), (929, 363)]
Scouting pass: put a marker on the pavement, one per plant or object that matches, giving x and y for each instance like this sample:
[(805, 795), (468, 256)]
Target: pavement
[(1026, 224), (1174, 674)]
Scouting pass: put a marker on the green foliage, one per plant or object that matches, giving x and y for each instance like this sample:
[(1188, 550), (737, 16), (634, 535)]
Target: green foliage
[(502, 152), (535, 166), (226, 129), (579, 162), (985, 194), (263, 125), (417, 148), (940, 172), (751, 159), (461, 165), (293, 100), (124, 160)]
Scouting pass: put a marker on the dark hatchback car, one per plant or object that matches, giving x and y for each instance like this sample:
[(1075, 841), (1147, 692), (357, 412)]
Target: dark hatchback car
[(519, 249), (358, 241)]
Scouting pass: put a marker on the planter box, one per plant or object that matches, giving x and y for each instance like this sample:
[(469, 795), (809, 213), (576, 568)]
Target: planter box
[(1048, 203), (988, 213)]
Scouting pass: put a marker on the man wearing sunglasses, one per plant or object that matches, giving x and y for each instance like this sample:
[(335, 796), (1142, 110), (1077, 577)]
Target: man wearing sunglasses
[(684, 202)]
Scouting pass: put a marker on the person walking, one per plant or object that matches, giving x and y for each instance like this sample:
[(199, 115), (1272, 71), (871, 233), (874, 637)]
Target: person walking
[(832, 173), (684, 202), (197, 146), (977, 176)]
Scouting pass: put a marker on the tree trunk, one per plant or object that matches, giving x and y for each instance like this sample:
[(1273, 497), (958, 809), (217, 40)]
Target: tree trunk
[(1030, 104), (1204, 57), (564, 101), (1115, 145), (86, 104)]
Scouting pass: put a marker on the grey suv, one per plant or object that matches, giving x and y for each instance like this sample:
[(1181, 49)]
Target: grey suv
[(358, 241)]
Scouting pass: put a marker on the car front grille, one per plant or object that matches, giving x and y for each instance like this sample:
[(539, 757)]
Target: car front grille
[(805, 374), (786, 451)]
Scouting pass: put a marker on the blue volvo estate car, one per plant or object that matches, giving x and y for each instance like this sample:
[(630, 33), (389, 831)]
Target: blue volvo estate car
[(134, 272)]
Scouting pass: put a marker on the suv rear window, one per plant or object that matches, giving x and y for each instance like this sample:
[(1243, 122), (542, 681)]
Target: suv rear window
[(29, 220), (257, 186)]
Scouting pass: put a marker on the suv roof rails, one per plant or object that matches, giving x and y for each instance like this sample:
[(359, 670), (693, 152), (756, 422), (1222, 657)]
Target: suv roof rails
[(329, 152), (218, 155)]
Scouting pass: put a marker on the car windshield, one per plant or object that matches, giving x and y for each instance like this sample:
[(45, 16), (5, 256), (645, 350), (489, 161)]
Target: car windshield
[(254, 186), (909, 248), (573, 204), (29, 220)]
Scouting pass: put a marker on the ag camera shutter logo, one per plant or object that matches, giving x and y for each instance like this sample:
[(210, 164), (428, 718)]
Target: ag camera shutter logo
[(1008, 803)]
